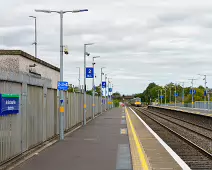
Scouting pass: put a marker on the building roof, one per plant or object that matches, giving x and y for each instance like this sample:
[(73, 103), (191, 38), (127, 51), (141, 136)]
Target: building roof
[(28, 56)]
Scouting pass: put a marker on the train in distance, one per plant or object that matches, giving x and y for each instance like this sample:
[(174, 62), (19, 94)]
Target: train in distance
[(136, 102)]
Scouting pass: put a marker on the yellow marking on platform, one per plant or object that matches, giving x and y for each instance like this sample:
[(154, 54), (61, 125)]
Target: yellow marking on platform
[(62, 109), (197, 112), (140, 151), (123, 131), (84, 106)]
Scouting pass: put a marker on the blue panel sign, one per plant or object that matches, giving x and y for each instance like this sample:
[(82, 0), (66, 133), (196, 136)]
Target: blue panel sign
[(110, 89), (205, 93), (176, 94), (89, 72), (194, 91), (9, 104), (62, 85), (161, 97), (104, 84)]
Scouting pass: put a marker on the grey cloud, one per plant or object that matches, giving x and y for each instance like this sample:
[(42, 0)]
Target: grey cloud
[(138, 41)]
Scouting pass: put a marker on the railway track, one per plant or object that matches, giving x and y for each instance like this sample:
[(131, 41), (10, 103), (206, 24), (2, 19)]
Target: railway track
[(197, 133), (188, 140)]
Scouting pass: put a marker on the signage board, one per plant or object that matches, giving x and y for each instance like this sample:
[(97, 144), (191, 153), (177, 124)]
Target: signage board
[(110, 89), (62, 85), (9, 104), (89, 72), (176, 94), (104, 84), (194, 91), (161, 97)]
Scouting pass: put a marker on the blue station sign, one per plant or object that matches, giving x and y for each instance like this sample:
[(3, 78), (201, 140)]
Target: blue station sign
[(9, 104), (62, 85), (104, 84), (110, 89), (194, 91), (89, 72)]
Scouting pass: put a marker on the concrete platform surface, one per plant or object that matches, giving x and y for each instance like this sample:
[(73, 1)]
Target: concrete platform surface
[(156, 154), (102, 144)]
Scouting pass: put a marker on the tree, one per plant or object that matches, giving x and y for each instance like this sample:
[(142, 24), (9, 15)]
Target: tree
[(151, 92), (98, 90), (70, 88), (89, 92)]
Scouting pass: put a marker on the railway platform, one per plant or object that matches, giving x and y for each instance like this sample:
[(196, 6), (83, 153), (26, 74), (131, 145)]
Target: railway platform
[(197, 111), (117, 139)]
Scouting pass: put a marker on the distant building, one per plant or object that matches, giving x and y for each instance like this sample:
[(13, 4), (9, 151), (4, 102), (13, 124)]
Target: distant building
[(18, 66)]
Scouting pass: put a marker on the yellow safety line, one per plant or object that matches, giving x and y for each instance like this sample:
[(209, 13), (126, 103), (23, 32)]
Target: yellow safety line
[(138, 145)]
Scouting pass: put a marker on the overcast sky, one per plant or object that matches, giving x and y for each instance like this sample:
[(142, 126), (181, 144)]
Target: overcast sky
[(139, 41)]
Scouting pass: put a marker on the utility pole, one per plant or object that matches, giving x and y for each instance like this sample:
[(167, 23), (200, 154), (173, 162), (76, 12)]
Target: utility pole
[(101, 88), (170, 97), (183, 95), (165, 95), (35, 42), (192, 86), (111, 97), (109, 92), (79, 77), (85, 88), (158, 96), (93, 91), (61, 94), (161, 94), (206, 92), (105, 92), (175, 94)]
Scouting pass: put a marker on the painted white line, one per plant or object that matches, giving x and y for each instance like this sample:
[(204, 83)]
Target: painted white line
[(181, 163)]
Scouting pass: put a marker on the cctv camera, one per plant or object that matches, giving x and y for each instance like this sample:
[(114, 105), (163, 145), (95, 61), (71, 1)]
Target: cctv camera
[(87, 53)]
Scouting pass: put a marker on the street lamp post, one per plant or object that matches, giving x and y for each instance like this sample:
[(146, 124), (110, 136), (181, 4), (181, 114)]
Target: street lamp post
[(79, 77), (101, 87), (165, 95), (205, 95), (35, 43), (175, 94), (192, 86), (109, 100), (158, 96), (93, 94), (183, 95), (61, 63), (105, 92), (85, 89)]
